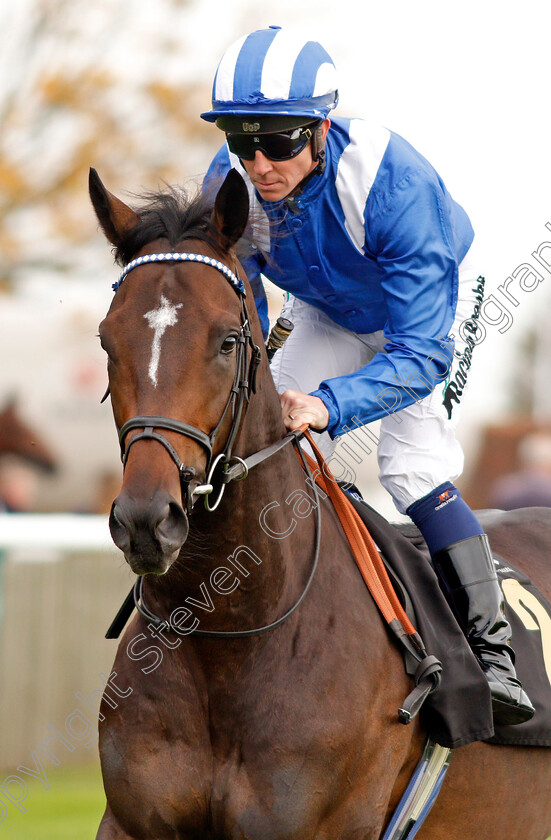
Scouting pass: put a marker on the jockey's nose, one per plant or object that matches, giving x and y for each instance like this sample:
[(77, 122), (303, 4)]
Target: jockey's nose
[(261, 163)]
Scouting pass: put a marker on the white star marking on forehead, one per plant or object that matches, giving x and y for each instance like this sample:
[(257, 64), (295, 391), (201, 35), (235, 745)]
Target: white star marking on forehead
[(159, 319)]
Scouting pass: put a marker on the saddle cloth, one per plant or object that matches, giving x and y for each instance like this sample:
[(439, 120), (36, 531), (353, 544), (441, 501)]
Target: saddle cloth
[(459, 711)]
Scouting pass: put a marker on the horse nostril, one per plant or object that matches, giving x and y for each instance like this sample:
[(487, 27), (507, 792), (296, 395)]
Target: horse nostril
[(172, 528), (118, 529), (149, 532)]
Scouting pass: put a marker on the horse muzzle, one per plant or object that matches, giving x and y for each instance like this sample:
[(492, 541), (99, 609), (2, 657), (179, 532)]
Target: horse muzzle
[(149, 532)]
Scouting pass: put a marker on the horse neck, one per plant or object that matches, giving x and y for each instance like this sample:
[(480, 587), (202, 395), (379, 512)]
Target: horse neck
[(254, 534)]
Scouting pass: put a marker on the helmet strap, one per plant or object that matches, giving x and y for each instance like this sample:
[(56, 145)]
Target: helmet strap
[(318, 149), (317, 146)]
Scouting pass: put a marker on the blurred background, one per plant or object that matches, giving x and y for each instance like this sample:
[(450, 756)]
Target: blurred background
[(118, 85)]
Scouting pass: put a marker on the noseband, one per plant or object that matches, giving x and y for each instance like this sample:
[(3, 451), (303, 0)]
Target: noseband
[(244, 384)]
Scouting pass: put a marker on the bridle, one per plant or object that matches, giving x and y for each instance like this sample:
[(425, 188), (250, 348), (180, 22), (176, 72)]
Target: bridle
[(244, 384), (230, 467)]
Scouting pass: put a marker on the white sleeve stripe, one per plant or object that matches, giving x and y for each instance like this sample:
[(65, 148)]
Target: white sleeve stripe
[(356, 173)]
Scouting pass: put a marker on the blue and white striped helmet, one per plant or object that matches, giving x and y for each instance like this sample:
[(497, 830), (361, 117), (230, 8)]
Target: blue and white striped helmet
[(272, 72)]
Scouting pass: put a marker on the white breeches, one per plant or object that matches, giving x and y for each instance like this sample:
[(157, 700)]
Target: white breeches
[(417, 449)]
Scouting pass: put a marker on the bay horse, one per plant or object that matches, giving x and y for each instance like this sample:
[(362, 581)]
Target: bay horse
[(292, 733), (17, 438)]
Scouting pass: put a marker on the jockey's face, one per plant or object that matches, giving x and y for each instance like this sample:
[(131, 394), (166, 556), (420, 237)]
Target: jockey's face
[(276, 179)]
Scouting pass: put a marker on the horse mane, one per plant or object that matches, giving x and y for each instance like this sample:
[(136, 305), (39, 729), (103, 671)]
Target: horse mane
[(177, 213), (172, 213)]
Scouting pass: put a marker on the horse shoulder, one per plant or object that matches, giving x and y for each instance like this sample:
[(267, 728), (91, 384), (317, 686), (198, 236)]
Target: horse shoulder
[(154, 741)]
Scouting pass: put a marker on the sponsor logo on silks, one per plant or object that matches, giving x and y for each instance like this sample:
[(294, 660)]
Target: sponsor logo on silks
[(455, 384), (247, 126), (445, 498)]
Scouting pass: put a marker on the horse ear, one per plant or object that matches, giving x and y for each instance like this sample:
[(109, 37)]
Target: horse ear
[(231, 209), (114, 216)]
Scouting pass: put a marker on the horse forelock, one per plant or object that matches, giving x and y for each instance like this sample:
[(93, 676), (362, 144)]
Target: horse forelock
[(172, 214)]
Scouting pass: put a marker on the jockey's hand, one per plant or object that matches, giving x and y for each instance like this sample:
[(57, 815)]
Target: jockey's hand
[(298, 408)]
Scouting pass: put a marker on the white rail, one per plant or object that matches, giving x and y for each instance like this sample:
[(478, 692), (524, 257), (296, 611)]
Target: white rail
[(55, 532)]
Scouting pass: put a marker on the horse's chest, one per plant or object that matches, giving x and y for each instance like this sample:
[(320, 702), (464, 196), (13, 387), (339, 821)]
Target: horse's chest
[(297, 797), (277, 779), (267, 752), (234, 773), (268, 796)]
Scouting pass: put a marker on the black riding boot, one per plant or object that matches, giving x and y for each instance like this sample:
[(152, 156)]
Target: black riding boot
[(468, 578)]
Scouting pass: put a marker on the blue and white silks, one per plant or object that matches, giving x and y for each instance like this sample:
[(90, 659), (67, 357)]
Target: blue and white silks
[(374, 242)]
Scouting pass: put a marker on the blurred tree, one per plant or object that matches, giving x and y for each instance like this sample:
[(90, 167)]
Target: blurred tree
[(109, 84)]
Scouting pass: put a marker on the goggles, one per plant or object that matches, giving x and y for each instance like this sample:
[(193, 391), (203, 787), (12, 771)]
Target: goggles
[(282, 145)]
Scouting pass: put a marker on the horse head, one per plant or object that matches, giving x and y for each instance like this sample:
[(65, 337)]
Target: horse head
[(182, 352), (17, 438)]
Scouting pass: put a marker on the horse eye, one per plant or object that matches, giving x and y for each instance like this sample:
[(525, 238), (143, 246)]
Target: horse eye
[(228, 345)]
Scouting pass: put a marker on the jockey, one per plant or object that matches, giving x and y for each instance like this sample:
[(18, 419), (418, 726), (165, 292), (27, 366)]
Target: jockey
[(384, 297)]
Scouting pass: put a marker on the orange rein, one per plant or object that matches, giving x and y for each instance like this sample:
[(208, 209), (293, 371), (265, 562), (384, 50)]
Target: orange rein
[(361, 542)]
